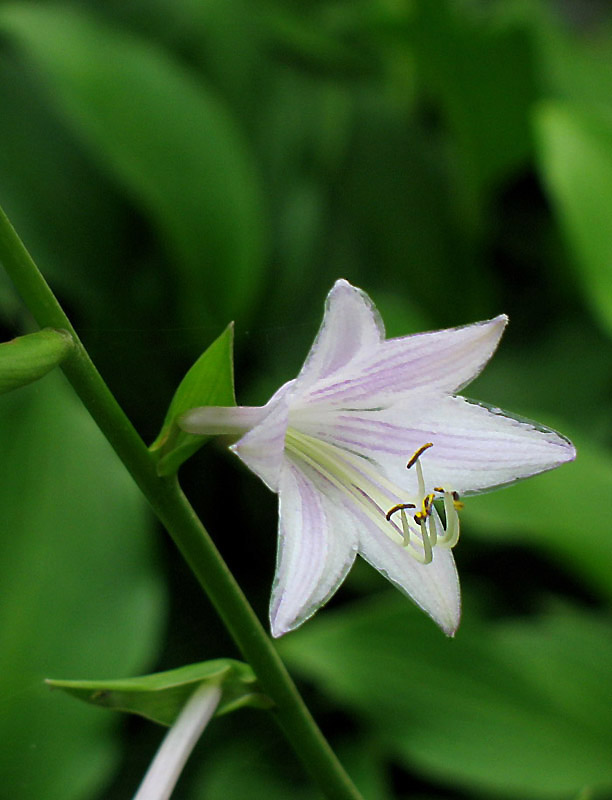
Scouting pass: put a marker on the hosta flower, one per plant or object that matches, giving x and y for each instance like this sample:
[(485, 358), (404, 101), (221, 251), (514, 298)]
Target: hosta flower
[(364, 444)]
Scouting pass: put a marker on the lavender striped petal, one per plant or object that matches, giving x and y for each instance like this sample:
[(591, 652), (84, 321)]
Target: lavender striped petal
[(475, 447), (438, 361), (351, 326), (433, 587), (316, 549)]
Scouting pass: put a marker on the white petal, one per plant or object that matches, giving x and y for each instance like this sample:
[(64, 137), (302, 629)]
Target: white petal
[(478, 448), (351, 327), (262, 448), (475, 447), (316, 549), (443, 360), (433, 587), (215, 420)]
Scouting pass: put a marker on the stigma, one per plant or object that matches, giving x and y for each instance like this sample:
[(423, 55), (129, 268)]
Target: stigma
[(423, 526)]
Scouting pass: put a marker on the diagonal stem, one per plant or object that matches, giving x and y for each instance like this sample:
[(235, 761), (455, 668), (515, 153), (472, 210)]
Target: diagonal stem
[(180, 520)]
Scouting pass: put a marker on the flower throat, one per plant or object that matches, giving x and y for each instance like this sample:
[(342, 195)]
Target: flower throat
[(359, 482)]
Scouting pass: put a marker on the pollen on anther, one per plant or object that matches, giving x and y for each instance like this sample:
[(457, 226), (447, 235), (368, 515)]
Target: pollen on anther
[(398, 507), (418, 453)]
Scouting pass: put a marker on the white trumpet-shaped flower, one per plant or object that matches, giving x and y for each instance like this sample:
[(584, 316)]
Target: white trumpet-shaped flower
[(334, 443)]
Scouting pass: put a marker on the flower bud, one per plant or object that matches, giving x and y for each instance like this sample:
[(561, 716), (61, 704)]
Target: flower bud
[(28, 358)]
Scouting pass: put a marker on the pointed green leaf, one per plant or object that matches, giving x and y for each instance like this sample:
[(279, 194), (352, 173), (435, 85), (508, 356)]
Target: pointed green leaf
[(27, 358), (209, 382), (161, 696), (576, 160)]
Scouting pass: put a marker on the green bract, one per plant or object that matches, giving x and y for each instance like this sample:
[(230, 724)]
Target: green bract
[(161, 696), (210, 381)]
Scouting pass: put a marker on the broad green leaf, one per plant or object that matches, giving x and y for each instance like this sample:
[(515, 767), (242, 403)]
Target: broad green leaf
[(209, 382), (27, 358), (168, 141), (160, 697), (81, 592), (60, 203), (518, 709), (482, 74), (574, 63), (575, 156)]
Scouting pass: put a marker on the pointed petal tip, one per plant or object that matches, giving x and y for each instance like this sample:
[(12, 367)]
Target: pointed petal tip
[(284, 619), (277, 629), (495, 327), (279, 626), (276, 632), (570, 451), (451, 628), (449, 621), (497, 323)]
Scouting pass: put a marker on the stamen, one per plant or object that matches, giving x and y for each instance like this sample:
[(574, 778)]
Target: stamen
[(427, 505), (419, 471), (427, 544), (426, 556), (451, 534), (419, 452), (405, 527), (398, 507), (431, 529)]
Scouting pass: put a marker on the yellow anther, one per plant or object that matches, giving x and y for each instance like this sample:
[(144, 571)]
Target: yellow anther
[(398, 507), (457, 503), (428, 504), (418, 453)]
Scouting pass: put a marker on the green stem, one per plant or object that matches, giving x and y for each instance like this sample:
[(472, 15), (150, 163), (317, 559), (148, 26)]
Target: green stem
[(183, 525)]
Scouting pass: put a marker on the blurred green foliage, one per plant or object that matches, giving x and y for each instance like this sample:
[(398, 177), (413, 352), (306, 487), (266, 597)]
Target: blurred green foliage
[(175, 164), (81, 590)]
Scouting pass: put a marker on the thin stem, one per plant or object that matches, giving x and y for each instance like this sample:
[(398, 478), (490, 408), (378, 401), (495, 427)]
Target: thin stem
[(183, 525), (176, 747)]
